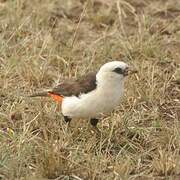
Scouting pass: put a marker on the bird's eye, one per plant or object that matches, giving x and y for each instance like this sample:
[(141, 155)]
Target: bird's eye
[(118, 70)]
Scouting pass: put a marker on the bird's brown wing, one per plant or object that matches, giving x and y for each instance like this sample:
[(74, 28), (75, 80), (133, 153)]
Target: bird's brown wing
[(82, 85)]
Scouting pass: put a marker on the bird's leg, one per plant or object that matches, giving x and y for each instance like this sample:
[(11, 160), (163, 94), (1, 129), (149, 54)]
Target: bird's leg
[(67, 119), (94, 122)]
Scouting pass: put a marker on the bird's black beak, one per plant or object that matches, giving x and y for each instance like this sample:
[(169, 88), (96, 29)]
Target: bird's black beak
[(129, 71)]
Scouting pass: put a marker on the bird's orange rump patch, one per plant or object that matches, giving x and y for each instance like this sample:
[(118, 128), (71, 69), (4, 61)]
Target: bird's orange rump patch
[(56, 98)]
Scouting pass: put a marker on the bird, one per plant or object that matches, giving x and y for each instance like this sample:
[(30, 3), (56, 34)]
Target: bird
[(92, 94)]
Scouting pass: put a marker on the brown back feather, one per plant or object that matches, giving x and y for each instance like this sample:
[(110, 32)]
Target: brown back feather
[(82, 85)]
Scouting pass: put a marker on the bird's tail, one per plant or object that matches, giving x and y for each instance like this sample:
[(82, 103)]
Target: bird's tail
[(42, 94), (56, 97)]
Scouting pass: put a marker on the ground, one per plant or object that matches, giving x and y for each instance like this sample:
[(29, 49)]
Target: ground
[(45, 41)]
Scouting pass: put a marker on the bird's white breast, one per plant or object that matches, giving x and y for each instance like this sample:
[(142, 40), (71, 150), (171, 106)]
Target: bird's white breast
[(92, 104)]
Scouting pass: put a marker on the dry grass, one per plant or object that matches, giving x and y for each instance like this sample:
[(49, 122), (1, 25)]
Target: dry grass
[(41, 41)]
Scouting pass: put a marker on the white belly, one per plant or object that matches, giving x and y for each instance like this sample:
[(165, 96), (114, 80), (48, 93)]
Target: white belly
[(92, 104)]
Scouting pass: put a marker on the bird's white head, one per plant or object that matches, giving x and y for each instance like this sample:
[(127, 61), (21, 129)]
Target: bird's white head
[(112, 73)]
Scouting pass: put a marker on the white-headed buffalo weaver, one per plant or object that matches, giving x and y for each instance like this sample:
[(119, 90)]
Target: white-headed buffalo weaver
[(92, 94)]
